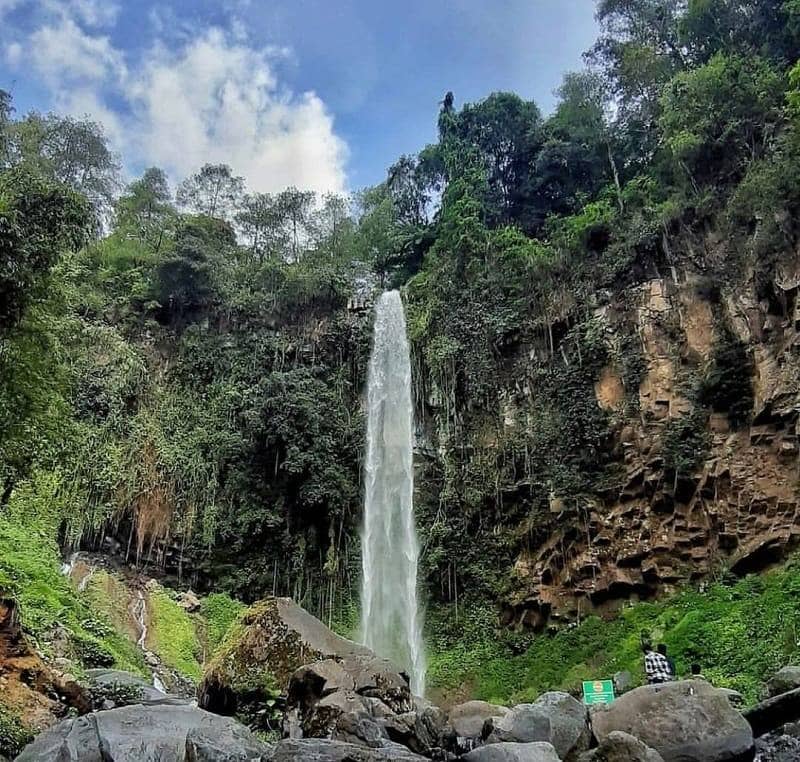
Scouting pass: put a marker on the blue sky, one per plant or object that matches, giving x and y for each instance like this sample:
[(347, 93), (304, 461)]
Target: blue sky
[(318, 93)]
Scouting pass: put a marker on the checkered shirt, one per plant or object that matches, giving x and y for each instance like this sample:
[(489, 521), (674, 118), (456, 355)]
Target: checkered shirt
[(657, 668)]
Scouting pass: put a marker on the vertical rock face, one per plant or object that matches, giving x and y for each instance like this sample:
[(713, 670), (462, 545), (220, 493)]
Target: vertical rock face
[(702, 479)]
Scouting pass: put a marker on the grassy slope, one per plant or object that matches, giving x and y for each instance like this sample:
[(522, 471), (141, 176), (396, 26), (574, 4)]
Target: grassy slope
[(739, 632)]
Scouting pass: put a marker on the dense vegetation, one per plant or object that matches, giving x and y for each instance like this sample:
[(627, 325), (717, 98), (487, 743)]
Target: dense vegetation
[(180, 376), (740, 632)]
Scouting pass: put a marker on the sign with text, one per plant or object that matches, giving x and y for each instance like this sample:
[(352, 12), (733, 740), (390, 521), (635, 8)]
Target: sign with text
[(598, 692)]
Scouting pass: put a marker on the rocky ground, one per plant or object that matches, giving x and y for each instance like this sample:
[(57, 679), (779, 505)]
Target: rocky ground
[(337, 702)]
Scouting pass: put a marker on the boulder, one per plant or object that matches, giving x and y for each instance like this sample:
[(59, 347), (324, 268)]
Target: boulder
[(621, 747), (778, 747), (321, 750), (774, 712), (537, 751), (141, 734), (555, 717), (128, 688), (422, 730), (468, 719), (690, 721), (783, 681), (232, 743), (189, 602), (269, 643)]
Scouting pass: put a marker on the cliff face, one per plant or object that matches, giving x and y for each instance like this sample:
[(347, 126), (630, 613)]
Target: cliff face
[(700, 391)]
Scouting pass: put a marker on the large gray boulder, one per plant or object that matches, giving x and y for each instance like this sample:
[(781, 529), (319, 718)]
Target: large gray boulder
[(468, 719), (555, 717), (686, 721), (621, 747), (321, 750), (773, 713), (137, 733), (230, 743), (784, 680), (120, 685), (537, 751)]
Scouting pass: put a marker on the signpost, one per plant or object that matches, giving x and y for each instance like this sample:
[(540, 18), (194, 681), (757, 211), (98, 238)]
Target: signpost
[(598, 692)]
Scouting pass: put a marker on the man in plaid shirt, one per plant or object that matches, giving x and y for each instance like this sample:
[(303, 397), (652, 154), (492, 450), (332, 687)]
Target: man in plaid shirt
[(656, 666)]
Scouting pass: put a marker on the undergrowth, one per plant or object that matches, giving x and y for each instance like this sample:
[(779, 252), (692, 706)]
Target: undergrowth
[(739, 632)]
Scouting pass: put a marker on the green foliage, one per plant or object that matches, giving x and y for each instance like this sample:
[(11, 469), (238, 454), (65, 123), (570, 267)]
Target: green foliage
[(685, 442), (219, 611), (739, 634), (14, 736), (728, 386), (30, 571), (172, 634)]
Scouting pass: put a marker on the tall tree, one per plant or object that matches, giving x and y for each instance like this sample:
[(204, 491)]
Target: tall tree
[(71, 151), (296, 207), (145, 209), (261, 220), (214, 191)]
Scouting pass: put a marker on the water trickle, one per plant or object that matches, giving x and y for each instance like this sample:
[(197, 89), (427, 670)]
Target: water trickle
[(390, 618)]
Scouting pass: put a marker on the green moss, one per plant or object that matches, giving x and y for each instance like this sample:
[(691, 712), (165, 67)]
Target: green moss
[(30, 570), (738, 633), (172, 634), (219, 611), (14, 736)]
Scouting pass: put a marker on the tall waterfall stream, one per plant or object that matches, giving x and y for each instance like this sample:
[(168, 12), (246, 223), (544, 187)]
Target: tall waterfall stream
[(390, 618)]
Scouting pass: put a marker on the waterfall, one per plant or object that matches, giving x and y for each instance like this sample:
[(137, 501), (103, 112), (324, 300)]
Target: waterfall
[(390, 619)]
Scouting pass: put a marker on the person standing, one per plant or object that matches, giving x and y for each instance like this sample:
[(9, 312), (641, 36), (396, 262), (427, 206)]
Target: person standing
[(656, 666), (662, 649)]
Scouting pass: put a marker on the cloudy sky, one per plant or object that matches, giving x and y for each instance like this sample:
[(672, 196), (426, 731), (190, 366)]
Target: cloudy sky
[(321, 94)]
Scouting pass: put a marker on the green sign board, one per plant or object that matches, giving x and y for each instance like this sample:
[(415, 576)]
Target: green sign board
[(598, 691)]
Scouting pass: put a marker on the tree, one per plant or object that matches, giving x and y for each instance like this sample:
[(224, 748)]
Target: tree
[(719, 117), (38, 221), (261, 219), (182, 281), (295, 206), (639, 50), (214, 191), (70, 151), (502, 133), (145, 210), (332, 226), (6, 110)]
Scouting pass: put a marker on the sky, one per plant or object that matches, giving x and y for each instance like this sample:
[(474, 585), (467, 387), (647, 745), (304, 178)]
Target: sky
[(320, 94)]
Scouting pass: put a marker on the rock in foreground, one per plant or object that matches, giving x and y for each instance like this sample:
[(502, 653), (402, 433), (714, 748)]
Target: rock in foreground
[(273, 639), (139, 733), (318, 750), (687, 721), (555, 717), (537, 751), (621, 747)]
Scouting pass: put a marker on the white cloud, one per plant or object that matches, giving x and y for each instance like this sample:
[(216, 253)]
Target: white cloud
[(64, 54), (218, 100), (211, 97)]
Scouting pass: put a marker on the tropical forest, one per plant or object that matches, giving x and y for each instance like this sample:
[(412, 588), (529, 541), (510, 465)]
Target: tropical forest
[(408, 471)]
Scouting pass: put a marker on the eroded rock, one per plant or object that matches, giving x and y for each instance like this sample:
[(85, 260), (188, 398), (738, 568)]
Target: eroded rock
[(537, 751), (621, 747)]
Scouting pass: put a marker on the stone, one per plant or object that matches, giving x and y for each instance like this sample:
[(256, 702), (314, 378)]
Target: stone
[(321, 750), (555, 717), (145, 692), (536, 751), (689, 720), (774, 712), (276, 637), (777, 747), (621, 747), (467, 719), (233, 743), (784, 680), (622, 682), (189, 602), (138, 733)]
